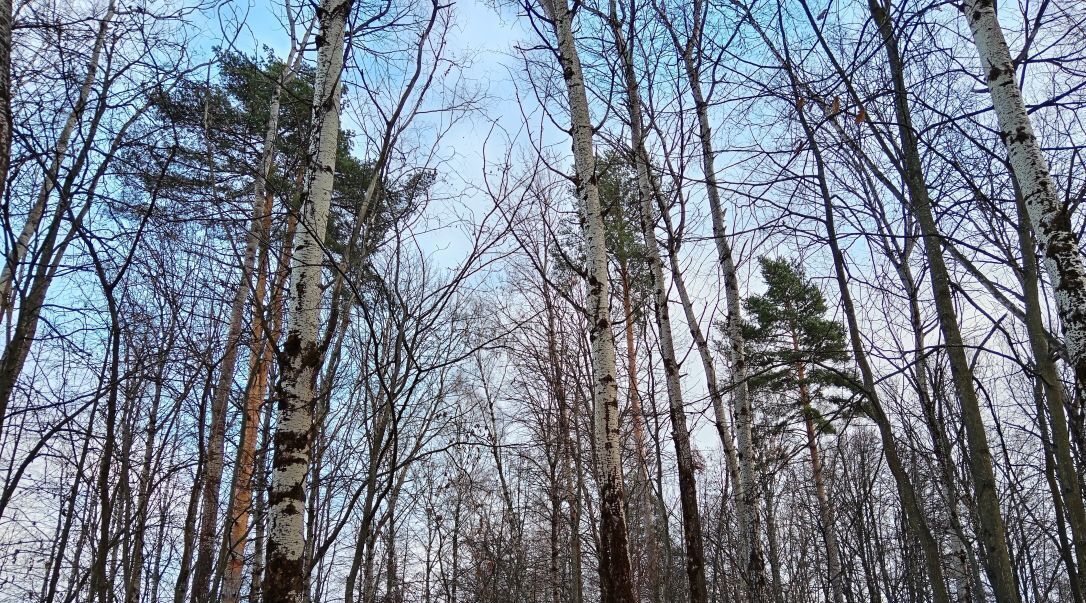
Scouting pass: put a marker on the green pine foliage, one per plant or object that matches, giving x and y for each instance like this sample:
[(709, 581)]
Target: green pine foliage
[(219, 124), (787, 333), (617, 182)]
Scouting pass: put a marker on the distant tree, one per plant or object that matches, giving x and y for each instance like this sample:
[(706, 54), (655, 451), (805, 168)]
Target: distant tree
[(796, 351)]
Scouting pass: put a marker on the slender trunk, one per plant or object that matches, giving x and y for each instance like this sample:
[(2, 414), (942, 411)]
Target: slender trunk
[(688, 501), (259, 227), (300, 357), (716, 396), (261, 349), (100, 582), (184, 571), (19, 250), (1054, 394), (18, 347), (776, 582), (965, 569), (752, 558), (825, 511), (1066, 555), (68, 519), (146, 487), (615, 563), (568, 461), (1050, 217), (906, 491), (642, 490), (633, 396), (990, 527)]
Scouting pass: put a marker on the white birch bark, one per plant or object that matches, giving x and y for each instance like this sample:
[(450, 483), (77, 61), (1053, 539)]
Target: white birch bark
[(615, 556), (752, 558), (1049, 216), (300, 356)]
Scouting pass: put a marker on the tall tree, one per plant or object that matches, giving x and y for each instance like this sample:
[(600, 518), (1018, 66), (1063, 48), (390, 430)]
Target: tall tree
[(256, 235), (694, 56), (797, 351), (301, 353), (646, 194), (615, 564)]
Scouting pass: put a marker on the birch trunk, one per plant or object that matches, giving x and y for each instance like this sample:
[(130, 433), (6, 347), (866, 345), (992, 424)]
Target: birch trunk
[(747, 502), (688, 500), (752, 559), (615, 562), (1051, 219), (261, 345), (300, 357)]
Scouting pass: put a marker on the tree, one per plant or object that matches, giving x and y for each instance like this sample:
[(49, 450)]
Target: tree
[(301, 352), (615, 564), (796, 351), (694, 57), (1049, 216)]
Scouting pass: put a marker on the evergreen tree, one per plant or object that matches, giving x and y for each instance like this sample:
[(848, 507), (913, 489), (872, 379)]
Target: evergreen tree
[(797, 351), (794, 349)]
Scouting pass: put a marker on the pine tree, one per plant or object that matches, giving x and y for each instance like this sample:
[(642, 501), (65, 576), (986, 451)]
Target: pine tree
[(798, 353)]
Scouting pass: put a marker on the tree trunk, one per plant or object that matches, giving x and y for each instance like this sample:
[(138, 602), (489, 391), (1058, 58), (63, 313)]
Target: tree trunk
[(261, 349), (752, 558), (642, 490), (990, 528), (910, 503), (17, 348), (300, 357), (688, 500), (1054, 394), (1050, 217), (615, 563), (255, 244)]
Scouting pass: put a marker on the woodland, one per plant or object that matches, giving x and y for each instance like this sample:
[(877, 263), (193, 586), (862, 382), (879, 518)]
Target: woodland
[(542, 301)]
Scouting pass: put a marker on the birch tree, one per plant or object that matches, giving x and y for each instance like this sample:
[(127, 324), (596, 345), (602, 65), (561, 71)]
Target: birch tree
[(301, 352), (1049, 216), (695, 554), (615, 555), (692, 53)]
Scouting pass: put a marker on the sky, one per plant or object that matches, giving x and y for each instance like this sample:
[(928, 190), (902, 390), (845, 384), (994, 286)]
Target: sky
[(488, 36)]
